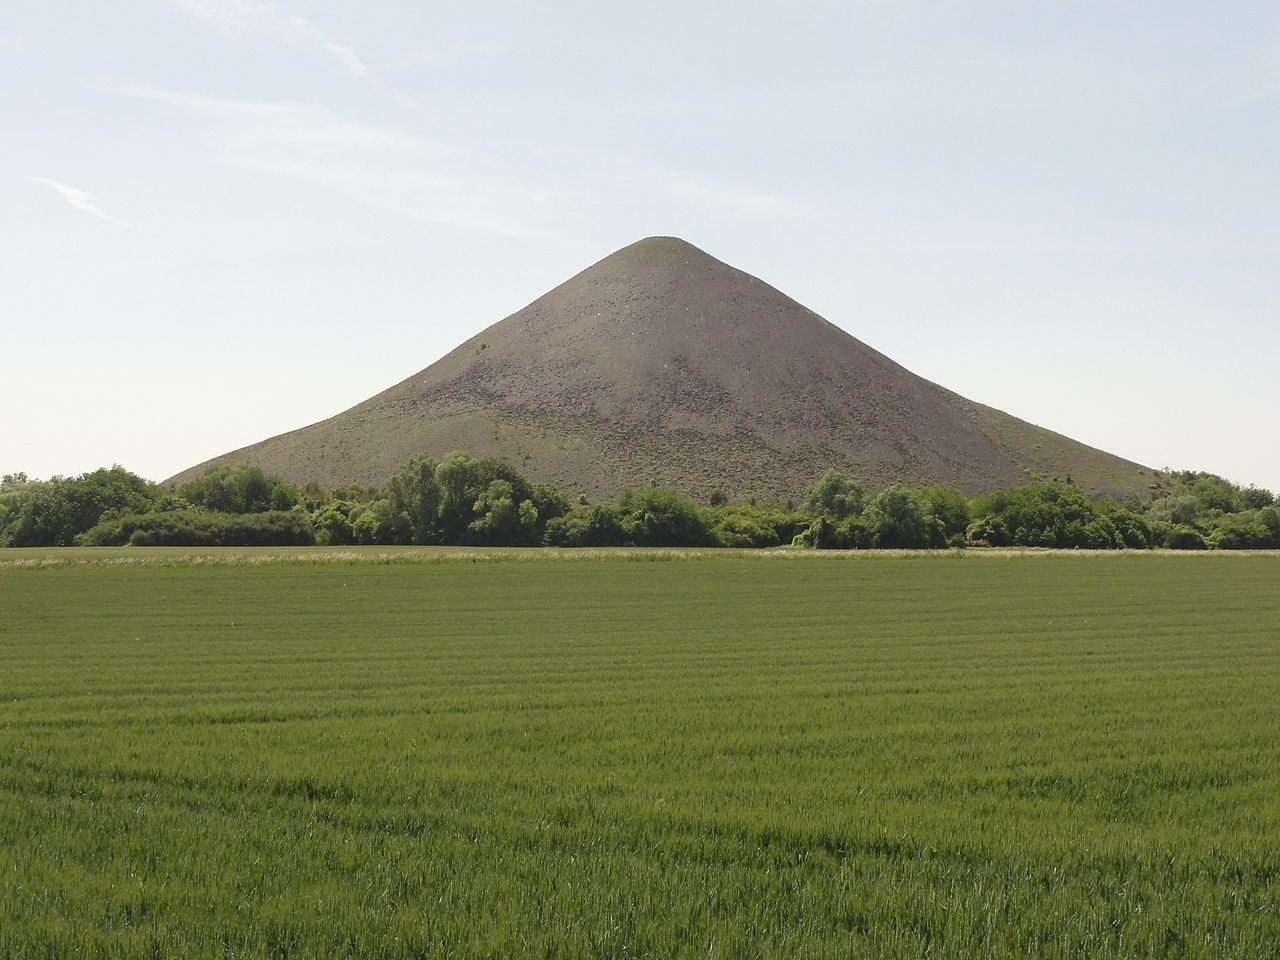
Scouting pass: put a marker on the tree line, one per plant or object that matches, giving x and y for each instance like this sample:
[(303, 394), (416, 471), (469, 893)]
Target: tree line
[(460, 500)]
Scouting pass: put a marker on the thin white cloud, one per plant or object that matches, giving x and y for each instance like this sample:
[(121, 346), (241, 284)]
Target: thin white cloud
[(217, 106), (407, 174), (428, 179), (265, 17), (250, 16), (80, 199), (301, 27)]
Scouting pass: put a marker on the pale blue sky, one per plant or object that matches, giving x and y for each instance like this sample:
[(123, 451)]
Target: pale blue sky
[(224, 219)]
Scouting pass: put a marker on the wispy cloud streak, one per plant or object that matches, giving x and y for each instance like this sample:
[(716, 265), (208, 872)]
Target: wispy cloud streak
[(265, 17), (404, 173), (80, 199), (421, 177)]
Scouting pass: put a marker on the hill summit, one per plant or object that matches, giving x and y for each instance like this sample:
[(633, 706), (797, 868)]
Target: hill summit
[(661, 364)]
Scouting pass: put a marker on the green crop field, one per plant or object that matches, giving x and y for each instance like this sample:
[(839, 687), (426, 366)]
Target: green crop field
[(434, 754)]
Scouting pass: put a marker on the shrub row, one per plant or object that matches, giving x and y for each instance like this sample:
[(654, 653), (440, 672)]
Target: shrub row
[(200, 528), (464, 501)]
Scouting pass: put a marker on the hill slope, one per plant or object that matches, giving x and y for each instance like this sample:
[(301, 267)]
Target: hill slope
[(660, 364)]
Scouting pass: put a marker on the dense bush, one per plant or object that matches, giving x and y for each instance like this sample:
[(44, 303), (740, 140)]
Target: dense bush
[(1248, 530), (244, 489), (467, 501), (1045, 515), (202, 528), (945, 511), (834, 497), (1133, 530), (54, 512), (1199, 511), (659, 517), (894, 520), (598, 525), (840, 516), (464, 501), (823, 533), (1177, 536), (753, 525)]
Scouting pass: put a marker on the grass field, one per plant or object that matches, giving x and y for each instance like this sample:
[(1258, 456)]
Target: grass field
[(413, 755)]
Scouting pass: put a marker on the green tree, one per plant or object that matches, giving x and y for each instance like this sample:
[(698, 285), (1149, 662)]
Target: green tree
[(754, 525), (1132, 528), (413, 492), (548, 501), (366, 528), (464, 482), (835, 496), (332, 523), (1181, 509), (893, 520), (239, 489), (56, 511), (1183, 538), (502, 521), (660, 517), (988, 530), (1247, 530), (945, 511), (824, 533), (597, 525), (1043, 515)]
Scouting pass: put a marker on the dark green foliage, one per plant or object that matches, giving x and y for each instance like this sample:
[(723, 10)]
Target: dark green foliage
[(376, 521), (203, 528), (1248, 530), (988, 531), (1214, 495), (461, 500), (413, 492), (654, 517), (945, 511), (833, 507), (1054, 515), (548, 501), (1202, 510), (501, 519), (659, 517), (370, 526), (245, 489), (835, 497), (335, 522), (170, 501), (754, 525), (472, 510), (1048, 515), (1179, 537), (55, 512), (599, 525), (465, 501), (1132, 529), (1255, 498), (823, 533), (1176, 508), (894, 520)]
